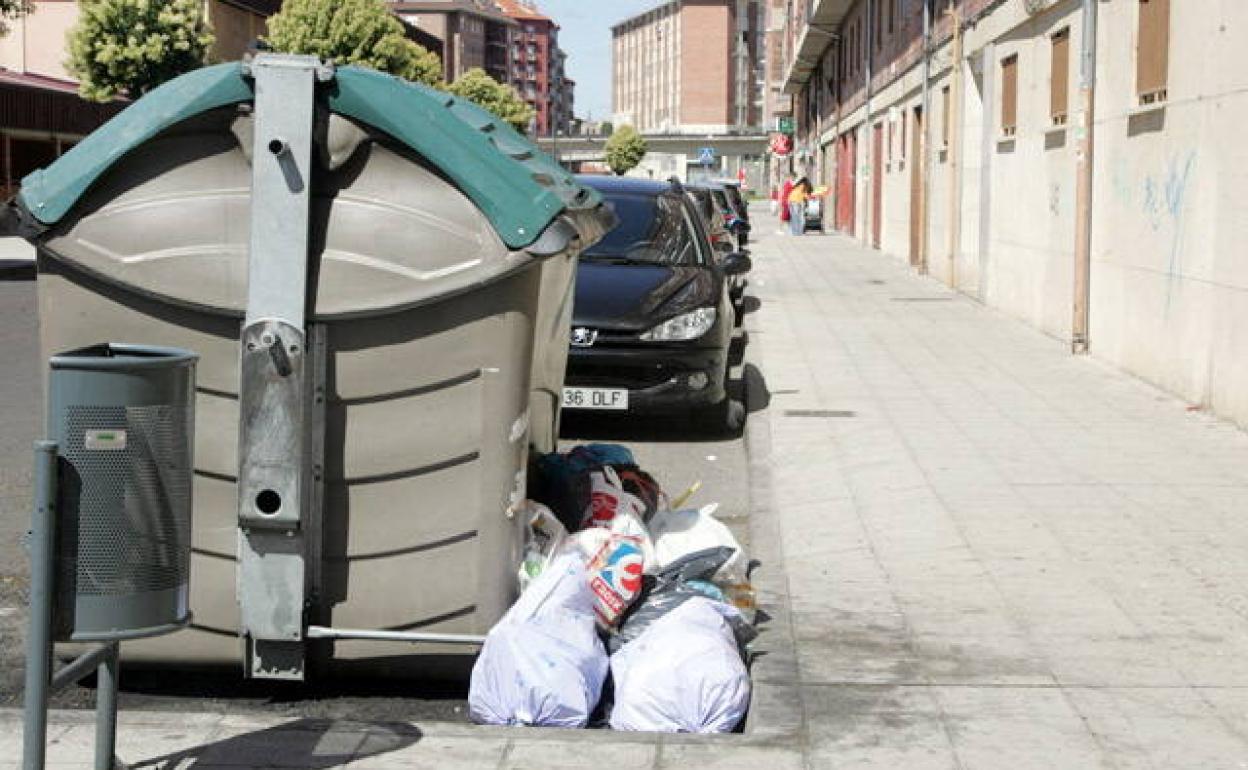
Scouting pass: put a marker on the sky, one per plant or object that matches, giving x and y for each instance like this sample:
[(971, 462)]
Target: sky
[(585, 33)]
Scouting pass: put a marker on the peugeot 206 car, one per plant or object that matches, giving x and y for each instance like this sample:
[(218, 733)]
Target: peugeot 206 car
[(652, 320)]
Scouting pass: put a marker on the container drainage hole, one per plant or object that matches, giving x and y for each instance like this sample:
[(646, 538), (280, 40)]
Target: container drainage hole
[(269, 502)]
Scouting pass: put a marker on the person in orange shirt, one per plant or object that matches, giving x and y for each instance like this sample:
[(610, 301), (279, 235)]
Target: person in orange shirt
[(797, 206)]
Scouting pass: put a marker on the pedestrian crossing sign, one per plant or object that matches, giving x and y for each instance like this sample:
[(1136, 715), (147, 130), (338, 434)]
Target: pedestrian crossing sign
[(706, 156)]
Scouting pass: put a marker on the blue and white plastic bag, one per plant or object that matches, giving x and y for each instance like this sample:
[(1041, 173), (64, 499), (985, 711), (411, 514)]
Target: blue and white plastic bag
[(684, 674), (543, 664)]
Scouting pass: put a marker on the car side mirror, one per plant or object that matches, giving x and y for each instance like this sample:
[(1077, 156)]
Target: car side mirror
[(737, 263)]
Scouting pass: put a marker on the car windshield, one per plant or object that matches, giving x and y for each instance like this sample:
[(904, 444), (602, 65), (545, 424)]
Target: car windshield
[(652, 230)]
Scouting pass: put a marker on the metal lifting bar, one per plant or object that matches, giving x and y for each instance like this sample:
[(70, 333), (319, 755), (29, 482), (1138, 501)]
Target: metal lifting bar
[(412, 637), (276, 480)]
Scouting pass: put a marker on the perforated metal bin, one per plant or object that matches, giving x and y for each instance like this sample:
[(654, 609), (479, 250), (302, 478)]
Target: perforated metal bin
[(123, 417), (441, 252)]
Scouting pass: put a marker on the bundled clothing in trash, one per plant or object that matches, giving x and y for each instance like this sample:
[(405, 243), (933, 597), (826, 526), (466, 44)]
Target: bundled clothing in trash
[(565, 483)]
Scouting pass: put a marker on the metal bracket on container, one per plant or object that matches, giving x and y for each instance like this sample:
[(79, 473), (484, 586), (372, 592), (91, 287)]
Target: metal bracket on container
[(275, 476)]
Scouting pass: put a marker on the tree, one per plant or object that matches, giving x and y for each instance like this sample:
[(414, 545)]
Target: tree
[(606, 129), (625, 149), (481, 89), (360, 32), (128, 47), (10, 10)]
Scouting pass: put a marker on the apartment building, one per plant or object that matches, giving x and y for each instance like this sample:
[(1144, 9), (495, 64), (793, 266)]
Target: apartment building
[(538, 66), (690, 66), (475, 34), (973, 173), (41, 114)]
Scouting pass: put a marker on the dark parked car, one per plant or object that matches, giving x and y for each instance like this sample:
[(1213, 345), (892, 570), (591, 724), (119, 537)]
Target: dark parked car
[(652, 320), (723, 241), (732, 188)]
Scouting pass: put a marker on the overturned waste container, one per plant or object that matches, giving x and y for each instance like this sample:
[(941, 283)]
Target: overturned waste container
[(377, 277)]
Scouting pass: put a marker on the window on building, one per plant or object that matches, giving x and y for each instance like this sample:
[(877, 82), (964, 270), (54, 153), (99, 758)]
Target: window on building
[(891, 125), (902, 148), (1152, 51), (945, 116), (892, 16), (1059, 81), (879, 24), (1009, 95)]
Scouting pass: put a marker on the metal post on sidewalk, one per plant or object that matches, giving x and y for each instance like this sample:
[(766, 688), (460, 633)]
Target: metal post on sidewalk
[(1084, 154), (39, 632), (106, 686)]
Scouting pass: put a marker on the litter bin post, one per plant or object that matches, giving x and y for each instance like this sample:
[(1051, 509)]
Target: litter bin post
[(39, 632)]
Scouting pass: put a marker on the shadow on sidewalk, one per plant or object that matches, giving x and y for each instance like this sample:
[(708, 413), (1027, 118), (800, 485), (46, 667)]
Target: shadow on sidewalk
[(314, 744)]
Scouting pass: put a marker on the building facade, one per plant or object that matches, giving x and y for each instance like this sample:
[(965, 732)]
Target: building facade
[(475, 34), (972, 173), (538, 67), (690, 66), (41, 114)]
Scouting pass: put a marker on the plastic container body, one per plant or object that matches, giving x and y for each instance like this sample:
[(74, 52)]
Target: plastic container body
[(429, 375)]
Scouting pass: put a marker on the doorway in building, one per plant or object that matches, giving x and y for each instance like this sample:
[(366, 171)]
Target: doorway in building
[(877, 182), (846, 182), (916, 186)]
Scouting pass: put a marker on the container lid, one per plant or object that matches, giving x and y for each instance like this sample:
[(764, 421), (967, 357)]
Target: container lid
[(519, 189), (122, 356)]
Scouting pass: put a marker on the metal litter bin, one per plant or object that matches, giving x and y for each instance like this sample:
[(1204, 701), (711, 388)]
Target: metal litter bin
[(123, 419), (374, 274)]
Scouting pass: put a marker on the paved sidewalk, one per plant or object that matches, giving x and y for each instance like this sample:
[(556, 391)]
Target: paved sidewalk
[(1000, 556), (995, 555)]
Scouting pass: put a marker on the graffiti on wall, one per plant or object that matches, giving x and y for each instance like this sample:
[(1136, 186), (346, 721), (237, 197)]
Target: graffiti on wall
[(1160, 196)]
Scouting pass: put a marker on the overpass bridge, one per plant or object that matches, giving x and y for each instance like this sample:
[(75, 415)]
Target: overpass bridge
[(592, 149)]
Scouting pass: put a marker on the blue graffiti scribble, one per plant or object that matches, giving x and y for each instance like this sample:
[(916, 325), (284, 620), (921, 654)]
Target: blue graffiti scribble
[(1164, 194), (1162, 203)]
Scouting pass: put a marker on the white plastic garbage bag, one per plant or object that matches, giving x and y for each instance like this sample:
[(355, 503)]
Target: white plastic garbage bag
[(683, 674), (608, 498), (543, 664), (676, 534)]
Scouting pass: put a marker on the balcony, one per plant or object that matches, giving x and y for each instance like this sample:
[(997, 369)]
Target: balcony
[(823, 18)]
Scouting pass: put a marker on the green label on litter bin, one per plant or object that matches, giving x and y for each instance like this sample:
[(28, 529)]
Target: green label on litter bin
[(106, 440)]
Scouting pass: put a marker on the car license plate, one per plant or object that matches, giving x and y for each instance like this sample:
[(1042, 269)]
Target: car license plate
[(595, 398)]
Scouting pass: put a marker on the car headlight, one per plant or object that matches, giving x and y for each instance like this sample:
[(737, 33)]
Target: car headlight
[(687, 326)]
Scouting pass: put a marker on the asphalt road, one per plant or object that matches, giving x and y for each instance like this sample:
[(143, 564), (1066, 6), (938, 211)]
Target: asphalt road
[(675, 453)]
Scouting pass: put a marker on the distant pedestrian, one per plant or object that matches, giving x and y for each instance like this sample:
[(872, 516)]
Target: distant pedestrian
[(797, 206), (785, 189)]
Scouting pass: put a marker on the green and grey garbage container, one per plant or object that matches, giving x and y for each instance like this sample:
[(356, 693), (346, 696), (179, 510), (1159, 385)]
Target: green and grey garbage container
[(377, 277), (122, 417)]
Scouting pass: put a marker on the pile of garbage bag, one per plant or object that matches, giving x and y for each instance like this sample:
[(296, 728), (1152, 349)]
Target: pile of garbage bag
[(632, 614)]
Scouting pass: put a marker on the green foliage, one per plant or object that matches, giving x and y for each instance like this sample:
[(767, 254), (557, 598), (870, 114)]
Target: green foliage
[(625, 149), (478, 87), (10, 10), (362, 32), (128, 47), (607, 129)]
